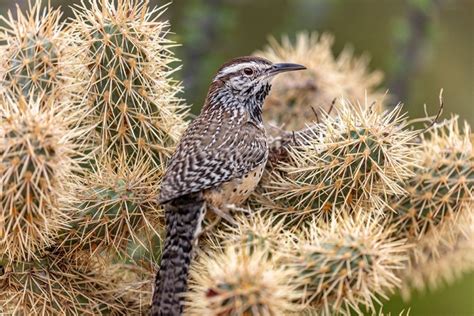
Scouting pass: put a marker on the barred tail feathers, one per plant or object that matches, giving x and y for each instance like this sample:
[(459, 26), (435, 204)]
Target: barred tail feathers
[(183, 217)]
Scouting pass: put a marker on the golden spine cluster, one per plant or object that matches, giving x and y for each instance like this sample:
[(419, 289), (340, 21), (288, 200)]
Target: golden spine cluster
[(347, 263), (133, 105), (116, 206), (89, 116), (441, 186), (234, 281), (356, 158), (37, 165)]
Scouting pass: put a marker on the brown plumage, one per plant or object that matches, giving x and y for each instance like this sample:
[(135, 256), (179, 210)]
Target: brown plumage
[(219, 161)]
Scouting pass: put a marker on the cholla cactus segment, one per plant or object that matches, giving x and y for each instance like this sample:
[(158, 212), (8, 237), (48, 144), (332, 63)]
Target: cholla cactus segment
[(145, 250), (258, 231), (311, 311), (234, 282), (117, 205), (37, 163), (443, 182), (355, 159), (443, 255), (351, 261), (132, 99), (36, 60), (52, 285), (325, 79), (133, 284)]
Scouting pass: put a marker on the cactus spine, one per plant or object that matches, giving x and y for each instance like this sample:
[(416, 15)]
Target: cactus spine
[(360, 204), (442, 185), (37, 164), (347, 264), (116, 206), (234, 282), (354, 159), (134, 110), (37, 60), (326, 78)]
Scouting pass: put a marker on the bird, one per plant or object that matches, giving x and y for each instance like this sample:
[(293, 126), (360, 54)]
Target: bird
[(218, 161)]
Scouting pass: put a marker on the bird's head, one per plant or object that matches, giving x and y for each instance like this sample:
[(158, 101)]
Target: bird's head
[(246, 79)]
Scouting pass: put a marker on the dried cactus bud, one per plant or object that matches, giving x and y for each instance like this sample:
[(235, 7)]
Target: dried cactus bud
[(354, 159), (325, 79), (443, 183), (235, 282), (37, 160), (117, 205), (134, 108), (347, 263)]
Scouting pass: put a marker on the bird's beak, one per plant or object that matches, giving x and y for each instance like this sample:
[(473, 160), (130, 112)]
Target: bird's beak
[(284, 67)]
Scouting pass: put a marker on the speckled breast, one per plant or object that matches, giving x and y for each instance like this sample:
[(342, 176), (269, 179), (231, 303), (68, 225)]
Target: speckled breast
[(235, 191)]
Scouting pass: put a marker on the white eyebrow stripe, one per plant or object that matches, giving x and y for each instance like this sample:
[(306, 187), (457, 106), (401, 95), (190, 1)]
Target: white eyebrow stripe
[(233, 68)]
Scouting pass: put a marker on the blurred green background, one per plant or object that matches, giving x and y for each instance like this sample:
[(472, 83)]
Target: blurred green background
[(421, 45)]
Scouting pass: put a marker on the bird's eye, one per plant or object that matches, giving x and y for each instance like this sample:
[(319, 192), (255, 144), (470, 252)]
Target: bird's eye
[(248, 71)]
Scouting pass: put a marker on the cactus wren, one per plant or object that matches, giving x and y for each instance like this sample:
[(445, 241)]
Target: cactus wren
[(218, 161)]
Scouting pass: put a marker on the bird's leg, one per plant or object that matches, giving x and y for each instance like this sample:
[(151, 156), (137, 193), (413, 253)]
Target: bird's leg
[(199, 230), (223, 214), (238, 209), (220, 215), (210, 226)]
